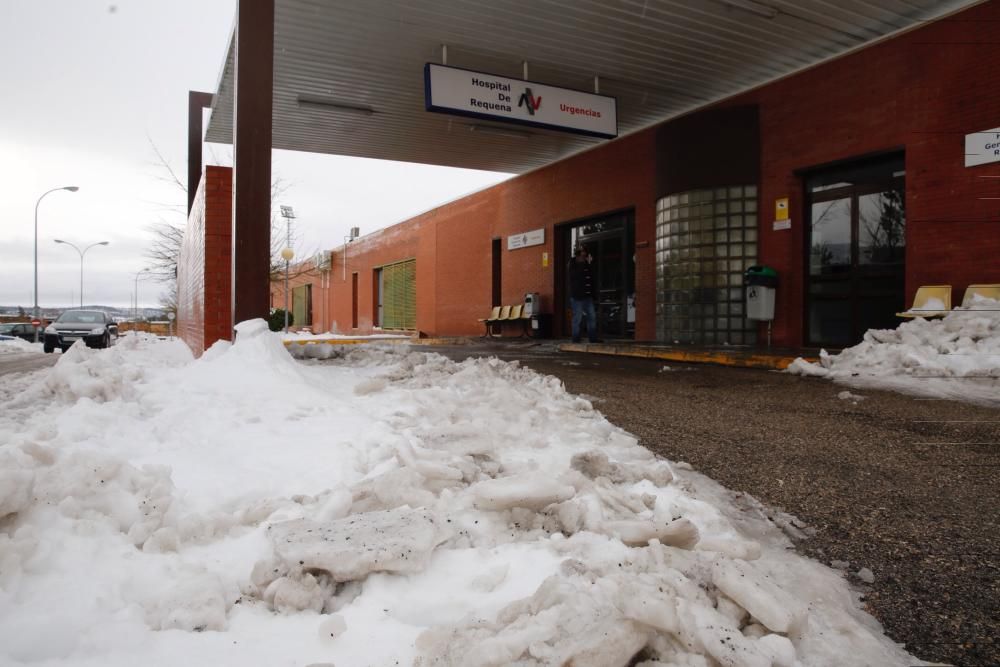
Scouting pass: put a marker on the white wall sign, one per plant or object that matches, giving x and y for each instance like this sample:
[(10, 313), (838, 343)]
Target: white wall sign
[(782, 224), (466, 93), (534, 237), (982, 147)]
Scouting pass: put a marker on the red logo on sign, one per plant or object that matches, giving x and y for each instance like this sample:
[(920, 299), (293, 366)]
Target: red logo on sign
[(36, 323), (530, 101)]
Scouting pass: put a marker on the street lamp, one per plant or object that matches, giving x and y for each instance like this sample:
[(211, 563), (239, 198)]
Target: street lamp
[(135, 311), (71, 188), (82, 253), (287, 253)]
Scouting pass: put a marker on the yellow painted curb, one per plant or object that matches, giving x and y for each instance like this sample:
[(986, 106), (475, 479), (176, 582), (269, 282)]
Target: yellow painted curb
[(345, 341), (359, 341), (718, 357)]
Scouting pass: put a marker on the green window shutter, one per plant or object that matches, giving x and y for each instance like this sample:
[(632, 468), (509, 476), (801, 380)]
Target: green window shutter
[(399, 295), (301, 309), (409, 305)]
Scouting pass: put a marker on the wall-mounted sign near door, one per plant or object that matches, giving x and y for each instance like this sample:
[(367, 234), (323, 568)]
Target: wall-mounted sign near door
[(982, 147), (463, 92), (534, 237)]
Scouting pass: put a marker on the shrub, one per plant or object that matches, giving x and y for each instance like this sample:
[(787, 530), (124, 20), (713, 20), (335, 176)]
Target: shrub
[(276, 322)]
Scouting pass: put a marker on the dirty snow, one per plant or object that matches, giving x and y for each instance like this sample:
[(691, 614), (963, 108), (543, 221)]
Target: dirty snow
[(18, 346), (387, 507), (957, 357)]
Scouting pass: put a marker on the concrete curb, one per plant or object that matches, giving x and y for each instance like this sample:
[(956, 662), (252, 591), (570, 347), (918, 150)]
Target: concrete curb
[(362, 341), (737, 358), (345, 341)]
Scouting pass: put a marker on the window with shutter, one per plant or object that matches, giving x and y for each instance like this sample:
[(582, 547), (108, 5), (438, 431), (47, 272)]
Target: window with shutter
[(399, 295), (302, 305)]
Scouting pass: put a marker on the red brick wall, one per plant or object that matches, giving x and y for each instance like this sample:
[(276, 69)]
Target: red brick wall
[(921, 92), (452, 244), (204, 273)]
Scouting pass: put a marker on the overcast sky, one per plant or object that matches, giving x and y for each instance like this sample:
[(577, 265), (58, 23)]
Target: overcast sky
[(87, 84)]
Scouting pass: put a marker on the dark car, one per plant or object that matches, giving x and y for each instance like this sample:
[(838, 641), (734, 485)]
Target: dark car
[(93, 327), (23, 330)]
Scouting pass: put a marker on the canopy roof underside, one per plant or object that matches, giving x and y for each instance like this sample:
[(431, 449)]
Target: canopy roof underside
[(659, 58)]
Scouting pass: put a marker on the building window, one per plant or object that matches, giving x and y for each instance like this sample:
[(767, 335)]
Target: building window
[(705, 240), (302, 305), (399, 295)]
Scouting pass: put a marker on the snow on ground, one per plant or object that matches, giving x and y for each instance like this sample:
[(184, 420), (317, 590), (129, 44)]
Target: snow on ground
[(956, 357), (18, 346), (389, 507)]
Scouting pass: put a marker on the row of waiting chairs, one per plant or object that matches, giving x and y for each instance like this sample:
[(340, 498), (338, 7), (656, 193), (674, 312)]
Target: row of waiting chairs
[(935, 300), (501, 314)]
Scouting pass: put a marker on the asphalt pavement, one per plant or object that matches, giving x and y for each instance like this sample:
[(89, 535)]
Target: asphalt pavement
[(908, 488), (26, 362)]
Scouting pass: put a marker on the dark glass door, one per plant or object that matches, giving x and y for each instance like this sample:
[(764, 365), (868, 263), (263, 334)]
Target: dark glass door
[(856, 252), (609, 240)]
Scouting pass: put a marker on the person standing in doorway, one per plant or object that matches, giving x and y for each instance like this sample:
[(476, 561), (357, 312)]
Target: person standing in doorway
[(582, 294)]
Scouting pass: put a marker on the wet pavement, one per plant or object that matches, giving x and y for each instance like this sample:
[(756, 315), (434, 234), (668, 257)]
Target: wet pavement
[(905, 487), (25, 363)]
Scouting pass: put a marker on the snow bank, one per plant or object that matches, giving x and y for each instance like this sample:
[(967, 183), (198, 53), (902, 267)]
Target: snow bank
[(390, 507), (19, 346), (957, 356)]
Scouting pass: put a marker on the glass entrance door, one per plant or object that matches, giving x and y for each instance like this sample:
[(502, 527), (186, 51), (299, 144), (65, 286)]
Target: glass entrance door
[(856, 252), (609, 240)]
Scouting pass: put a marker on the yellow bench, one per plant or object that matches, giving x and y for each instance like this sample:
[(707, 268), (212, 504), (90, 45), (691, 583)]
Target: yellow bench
[(985, 291), (487, 321), (500, 314), (930, 301)]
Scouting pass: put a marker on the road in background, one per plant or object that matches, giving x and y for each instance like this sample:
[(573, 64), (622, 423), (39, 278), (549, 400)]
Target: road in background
[(25, 363)]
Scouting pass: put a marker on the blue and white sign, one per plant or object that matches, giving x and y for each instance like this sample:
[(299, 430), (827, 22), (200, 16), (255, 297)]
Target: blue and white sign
[(474, 94), (982, 147)]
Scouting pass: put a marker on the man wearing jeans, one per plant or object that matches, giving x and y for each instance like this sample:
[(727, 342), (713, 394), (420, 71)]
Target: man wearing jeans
[(581, 294)]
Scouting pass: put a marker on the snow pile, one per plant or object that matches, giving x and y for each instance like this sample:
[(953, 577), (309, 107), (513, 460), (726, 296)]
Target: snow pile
[(957, 356), (18, 346), (389, 508)]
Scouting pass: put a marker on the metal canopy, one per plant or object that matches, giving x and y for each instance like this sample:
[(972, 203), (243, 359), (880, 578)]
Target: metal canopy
[(363, 63)]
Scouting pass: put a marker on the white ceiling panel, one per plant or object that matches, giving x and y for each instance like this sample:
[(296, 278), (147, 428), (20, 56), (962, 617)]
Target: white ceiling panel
[(660, 58)]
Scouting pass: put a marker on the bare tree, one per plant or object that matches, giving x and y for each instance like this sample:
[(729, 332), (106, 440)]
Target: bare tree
[(163, 252)]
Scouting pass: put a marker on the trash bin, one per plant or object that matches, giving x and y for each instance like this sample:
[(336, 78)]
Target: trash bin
[(531, 304), (760, 282)]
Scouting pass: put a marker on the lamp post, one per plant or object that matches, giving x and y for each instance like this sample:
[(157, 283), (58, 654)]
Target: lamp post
[(71, 188), (82, 253), (135, 311), (287, 253)]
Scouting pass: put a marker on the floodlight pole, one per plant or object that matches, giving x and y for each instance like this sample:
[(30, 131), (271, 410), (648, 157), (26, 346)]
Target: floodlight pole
[(71, 188)]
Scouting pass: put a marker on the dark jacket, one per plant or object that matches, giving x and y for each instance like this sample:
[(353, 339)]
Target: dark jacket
[(581, 280)]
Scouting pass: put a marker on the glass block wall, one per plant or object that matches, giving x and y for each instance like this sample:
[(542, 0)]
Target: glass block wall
[(705, 240)]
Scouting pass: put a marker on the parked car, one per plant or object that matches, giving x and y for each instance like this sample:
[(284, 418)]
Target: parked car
[(93, 327), (23, 330)]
